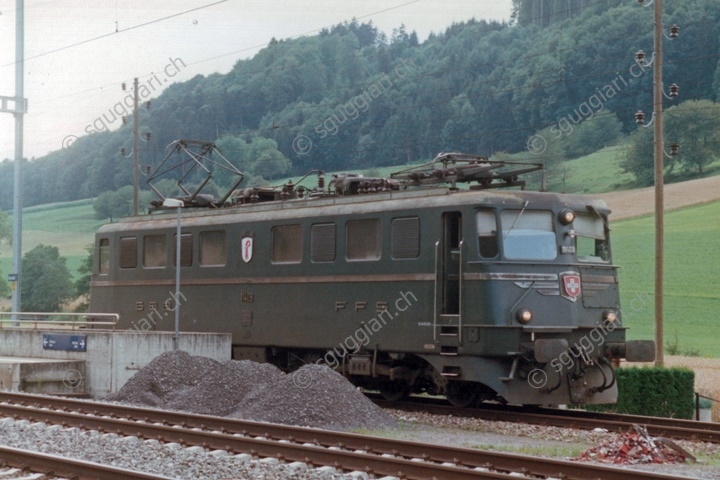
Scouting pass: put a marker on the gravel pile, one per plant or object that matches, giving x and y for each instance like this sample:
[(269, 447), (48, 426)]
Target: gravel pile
[(315, 396), (221, 391), (168, 376), (170, 459)]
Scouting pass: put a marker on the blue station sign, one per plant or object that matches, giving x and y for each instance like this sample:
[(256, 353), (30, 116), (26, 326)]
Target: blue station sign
[(69, 343)]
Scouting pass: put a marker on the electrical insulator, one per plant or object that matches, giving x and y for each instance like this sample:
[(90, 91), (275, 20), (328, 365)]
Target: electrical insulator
[(123, 86), (124, 120), (122, 151), (147, 105), (674, 31), (674, 90), (148, 135), (674, 149), (640, 117)]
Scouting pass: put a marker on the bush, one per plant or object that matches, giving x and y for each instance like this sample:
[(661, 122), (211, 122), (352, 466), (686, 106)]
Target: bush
[(46, 281), (657, 392)]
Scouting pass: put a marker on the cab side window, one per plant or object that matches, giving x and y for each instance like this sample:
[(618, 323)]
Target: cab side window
[(487, 234)]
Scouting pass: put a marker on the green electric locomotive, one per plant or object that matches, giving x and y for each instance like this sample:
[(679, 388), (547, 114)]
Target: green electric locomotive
[(400, 284)]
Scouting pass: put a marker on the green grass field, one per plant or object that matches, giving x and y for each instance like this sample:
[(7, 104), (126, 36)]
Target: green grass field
[(692, 284), (70, 226), (598, 172)]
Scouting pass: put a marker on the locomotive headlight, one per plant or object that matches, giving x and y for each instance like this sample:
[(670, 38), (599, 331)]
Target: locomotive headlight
[(610, 316), (524, 315), (567, 216)]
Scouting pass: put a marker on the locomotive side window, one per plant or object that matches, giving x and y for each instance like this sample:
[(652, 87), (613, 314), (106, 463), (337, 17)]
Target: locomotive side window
[(487, 234), (591, 243), (213, 249), (322, 242), (287, 244), (104, 260), (405, 236), (128, 252), (155, 251), (186, 249), (363, 239), (528, 235)]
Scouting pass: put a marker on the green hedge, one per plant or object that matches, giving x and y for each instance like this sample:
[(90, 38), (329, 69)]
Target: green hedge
[(658, 392)]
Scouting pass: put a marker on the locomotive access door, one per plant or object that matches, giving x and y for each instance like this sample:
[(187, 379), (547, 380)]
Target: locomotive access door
[(449, 292)]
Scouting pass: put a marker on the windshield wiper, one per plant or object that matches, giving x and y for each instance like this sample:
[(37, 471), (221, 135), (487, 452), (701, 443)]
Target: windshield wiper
[(516, 219)]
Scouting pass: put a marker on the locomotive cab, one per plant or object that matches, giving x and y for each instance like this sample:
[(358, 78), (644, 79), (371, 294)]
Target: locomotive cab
[(539, 305)]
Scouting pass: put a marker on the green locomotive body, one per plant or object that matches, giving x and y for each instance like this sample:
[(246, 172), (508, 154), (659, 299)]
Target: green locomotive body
[(471, 294)]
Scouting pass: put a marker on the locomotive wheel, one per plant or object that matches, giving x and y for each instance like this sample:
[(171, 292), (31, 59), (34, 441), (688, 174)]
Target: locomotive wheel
[(393, 391), (462, 395)]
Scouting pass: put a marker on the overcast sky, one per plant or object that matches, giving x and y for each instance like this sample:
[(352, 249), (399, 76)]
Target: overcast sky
[(78, 53)]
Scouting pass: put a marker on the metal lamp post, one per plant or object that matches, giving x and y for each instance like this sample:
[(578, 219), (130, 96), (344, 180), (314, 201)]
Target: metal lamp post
[(175, 203)]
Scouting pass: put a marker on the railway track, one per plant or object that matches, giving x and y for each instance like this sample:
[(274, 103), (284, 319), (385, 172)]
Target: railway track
[(656, 426), (17, 462), (344, 451)]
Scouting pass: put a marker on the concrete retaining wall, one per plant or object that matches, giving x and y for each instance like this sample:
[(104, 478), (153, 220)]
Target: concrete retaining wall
[(113, 357), (42, 376)]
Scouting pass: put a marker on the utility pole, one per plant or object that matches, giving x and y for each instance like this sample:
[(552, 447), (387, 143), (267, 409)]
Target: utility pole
[(659, 186), (658, 152), (19, 109), (136, 149)]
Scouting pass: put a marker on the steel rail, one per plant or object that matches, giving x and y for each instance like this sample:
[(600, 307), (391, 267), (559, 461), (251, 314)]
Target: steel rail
[(261, 446), (69, 467), (656, 426), (351, 452)]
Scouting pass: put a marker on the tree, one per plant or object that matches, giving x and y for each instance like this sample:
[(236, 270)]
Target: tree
[(266, 160), (103, 206), (119, 203), (694, 125), (46, 281), (594, 134), (235, 150), (82, 284), (548, 148), (4, 287), (6, 230), (639, 159)]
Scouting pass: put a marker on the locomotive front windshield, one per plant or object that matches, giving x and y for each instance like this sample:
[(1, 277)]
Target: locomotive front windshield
[(528, 235)]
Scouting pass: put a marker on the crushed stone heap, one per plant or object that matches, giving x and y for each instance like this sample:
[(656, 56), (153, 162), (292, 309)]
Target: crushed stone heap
[(313, 396), (168, 375)]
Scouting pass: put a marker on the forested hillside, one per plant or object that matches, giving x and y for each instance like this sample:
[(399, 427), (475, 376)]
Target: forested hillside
[(351, 97)]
